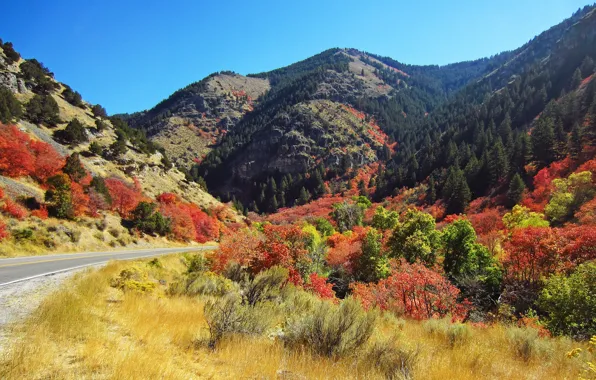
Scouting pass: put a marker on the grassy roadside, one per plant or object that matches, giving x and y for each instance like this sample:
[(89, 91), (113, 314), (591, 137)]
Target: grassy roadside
[(106, 325)]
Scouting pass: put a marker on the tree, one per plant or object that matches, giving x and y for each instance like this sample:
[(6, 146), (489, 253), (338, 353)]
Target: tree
[(498, 164), (384, 219), (73, 97), (522, 217), (576, 79), (11, 54), (569, 302), (74, 168), (99, 111), (10, 107), (372, 264), (569, 195), (543, 141), (95, 149), (415, 239), (147, 219), (456, 191), (324, 227), (516, 190), (74, 133), (43, 109), (304, 196), (125, 198), (59, 197), (467, 262), (347, 215)]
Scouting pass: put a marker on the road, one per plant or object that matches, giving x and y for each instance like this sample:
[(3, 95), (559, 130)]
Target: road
[(25, 268)]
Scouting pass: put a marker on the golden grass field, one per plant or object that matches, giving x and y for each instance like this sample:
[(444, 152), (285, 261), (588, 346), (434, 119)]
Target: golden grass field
[(93, 331)]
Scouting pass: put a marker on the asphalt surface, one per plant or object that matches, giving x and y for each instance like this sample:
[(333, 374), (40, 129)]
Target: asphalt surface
[(24, 268)]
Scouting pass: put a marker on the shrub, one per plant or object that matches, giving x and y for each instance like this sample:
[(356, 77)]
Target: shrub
[(347, 215), (265, 286), (569, 302), (59, 197), (43, 109), (3, 233), (453, 334), (227, 315), (206, 283), (145, 218), (95, 149), (331, 330), (11, 54), (526, 343), (133, 279), (22, 234), (13, 209), (392, 361)]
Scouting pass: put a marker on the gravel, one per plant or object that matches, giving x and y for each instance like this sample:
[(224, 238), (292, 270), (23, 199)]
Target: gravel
[(18, 300)]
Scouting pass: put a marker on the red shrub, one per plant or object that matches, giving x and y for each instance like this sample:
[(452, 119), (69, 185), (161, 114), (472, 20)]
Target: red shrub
[(238, 247), (124, 197), (41, 213), (48, 162), (14, 209), (283, 245), (183, 227), (488, 221), (413, 290), (80, 200), (3, 233), (319, 286)]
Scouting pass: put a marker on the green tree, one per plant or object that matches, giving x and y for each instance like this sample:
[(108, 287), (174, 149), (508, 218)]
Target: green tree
[(467, 262), (99, 111), (145, 218), (43, 109), (516, 190), (569, 302), (99, 185), (384, 219), (10, 107), (575, 143), (568, 196), (416, 238), (456, 191), (498, 164), (74, 168), (59, 198), (543, 141), (74, 133), (304, 196), (95, 148), (521, 217), (372, 264), (324, 226)]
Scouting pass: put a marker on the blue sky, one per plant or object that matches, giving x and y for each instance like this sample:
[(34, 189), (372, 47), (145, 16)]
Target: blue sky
[(128, 55)]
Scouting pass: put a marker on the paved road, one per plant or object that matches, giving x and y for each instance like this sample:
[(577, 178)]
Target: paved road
[(24, 268)]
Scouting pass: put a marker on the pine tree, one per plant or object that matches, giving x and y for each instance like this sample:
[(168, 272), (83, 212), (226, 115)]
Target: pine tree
[(74, 168), (543, 141), (456, 191), (516, 189), (576, 79), (304, 196), (432, 191), (498, 163), (575, 141)]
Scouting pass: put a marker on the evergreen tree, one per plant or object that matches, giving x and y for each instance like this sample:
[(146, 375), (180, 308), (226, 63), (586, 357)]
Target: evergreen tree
[(498, 164), (74, 168), (74, 133), (575, 141), (304, 196), (456, 191), (543, 141), (516, 189)]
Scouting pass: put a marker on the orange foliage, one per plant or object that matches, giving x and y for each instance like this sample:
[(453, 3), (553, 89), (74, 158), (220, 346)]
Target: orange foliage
[(318, 208), (41, 213), (413, 290), (238, 247), (319, 286), (189, 222), (21, 156), (124, 197), (14, 209), (80, 200)]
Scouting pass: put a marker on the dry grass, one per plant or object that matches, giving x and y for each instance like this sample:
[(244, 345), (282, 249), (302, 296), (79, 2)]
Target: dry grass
[(90, 330)]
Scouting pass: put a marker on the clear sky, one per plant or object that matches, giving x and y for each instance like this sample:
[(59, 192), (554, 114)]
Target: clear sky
[(130, 54)]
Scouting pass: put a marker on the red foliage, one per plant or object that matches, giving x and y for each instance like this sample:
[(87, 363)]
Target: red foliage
[(41, 213), (319, 286), (413, 290), (189, 222), (1, 193), (238, 247), (578, 245), (283, 245), (537, 199), (344, 250), (532, 252), (488, 221), (586, 215), (14, 209), (183, 227), (167, 198), (21, 156), (318, 208), (124, 197), (80, 200), (3, 233), (97, 202)]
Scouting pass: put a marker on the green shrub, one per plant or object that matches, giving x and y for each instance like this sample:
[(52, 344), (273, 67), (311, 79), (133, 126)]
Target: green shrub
[(99, 111), (145, 218), (73, 97), (332, 330), (95, 149), (22, 234), (570, 302), (11, 54), (74, 133)]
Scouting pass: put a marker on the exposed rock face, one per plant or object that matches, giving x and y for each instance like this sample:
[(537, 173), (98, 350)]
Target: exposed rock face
[(12, 82), (194, 118)]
